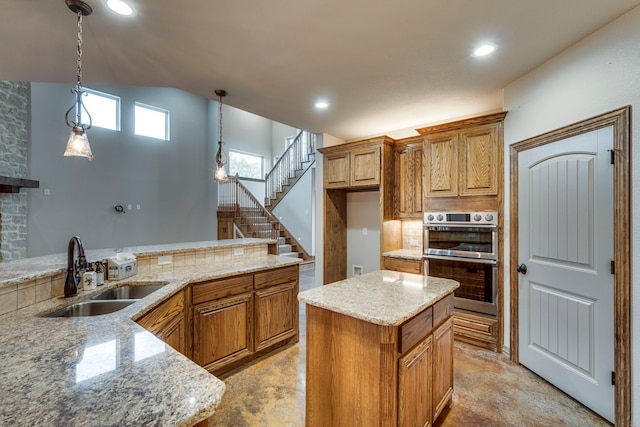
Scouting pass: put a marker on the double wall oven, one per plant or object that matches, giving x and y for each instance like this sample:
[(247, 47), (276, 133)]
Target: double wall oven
[(463, 246)]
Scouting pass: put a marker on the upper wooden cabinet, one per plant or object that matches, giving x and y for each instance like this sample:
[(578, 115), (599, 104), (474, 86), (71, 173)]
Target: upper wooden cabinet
[(407, 189), (354, 165), (463, 158)]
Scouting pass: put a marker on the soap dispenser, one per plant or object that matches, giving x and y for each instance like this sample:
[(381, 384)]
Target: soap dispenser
[(99, 273)]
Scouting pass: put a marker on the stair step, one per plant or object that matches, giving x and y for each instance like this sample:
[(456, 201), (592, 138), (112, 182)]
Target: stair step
[(284, 248), (291, 254), (282, 240)]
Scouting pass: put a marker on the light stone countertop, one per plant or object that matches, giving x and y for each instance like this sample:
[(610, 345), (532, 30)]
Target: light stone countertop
[(386, 298), (106, 370), (17, 271), (414, 254)]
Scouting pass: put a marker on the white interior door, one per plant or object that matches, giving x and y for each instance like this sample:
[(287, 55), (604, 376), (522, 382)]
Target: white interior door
[(566, 242)]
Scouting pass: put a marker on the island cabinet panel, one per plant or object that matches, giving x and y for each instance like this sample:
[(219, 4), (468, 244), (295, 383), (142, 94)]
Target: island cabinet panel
[(364, 374), (168, 322), (351, 371), (223, 331), (276, 314), (443, 359), (415, 375)]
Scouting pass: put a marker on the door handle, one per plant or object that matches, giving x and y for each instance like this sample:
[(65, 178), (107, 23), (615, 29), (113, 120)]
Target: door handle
[(522, 268)]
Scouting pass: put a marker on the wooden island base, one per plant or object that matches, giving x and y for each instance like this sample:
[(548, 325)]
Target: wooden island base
[(365, 374)]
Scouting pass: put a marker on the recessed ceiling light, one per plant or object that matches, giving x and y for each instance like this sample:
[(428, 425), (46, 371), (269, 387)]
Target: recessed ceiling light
[(322, 105), (120, 7), (484, 50)]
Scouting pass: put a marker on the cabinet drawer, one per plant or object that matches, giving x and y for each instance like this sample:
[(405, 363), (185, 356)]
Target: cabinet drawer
[(402, 264), (415, 329), (276, 277), (207, 291), (442, 309)]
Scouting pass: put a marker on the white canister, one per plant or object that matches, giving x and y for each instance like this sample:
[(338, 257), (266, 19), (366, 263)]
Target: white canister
[(89, 280)]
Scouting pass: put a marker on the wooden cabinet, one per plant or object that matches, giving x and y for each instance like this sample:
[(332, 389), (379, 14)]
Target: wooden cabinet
[(477, 329), (462, 163), (360, 373), (240, 318), (168, 322), (443, 359), (276, 300), (415, 393), (403, 264), (463, 158), (223, 331), (407, 190), (352, 168)]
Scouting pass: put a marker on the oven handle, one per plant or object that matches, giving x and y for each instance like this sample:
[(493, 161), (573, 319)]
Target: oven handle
[(455, 258)]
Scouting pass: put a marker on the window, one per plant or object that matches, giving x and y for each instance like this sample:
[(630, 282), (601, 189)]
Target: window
[(103, 108), (151, 121), (246, 165)]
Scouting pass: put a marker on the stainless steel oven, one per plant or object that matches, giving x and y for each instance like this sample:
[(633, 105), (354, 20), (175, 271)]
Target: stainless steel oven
[(464, 246)]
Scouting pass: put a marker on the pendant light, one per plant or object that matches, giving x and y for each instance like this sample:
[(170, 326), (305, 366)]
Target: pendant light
[(78, 143), (221, 174)]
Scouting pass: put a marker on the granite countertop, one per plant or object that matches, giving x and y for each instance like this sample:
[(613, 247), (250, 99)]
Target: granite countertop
[(106, 370), (414, 254), (15, 272), (386, 298)]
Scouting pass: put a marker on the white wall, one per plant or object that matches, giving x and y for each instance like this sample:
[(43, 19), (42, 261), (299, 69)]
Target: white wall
[(599, 74), (170, 180), (363, 215), (279, 133), (296, 212)]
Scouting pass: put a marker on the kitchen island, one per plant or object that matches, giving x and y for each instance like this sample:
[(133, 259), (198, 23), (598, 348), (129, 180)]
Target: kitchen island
[(379, 350), (107, 370)]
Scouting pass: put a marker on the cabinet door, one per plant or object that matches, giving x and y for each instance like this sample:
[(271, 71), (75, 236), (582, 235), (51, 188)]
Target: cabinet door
[(336, 170), (440, 165), (167, 322), (415, 372), (402, 189), (365, 167), (478, 161), (222, 331), (276, 314), (443, 360), (416, 181)]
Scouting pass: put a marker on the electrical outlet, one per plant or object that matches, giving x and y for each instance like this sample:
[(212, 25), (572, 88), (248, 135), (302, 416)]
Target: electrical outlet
[(365, 231), (414, 243)]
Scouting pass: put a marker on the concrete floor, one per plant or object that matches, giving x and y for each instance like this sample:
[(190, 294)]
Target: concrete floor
[(489, 390)]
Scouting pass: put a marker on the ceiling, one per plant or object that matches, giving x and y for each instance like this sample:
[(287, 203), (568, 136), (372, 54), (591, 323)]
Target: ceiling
[(385, 66)]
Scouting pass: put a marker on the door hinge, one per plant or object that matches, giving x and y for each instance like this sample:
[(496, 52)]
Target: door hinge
[(613, 267), (613, 378), (613, 156)]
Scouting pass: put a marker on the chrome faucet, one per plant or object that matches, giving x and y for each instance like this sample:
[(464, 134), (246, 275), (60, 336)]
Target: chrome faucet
[(74, 266)]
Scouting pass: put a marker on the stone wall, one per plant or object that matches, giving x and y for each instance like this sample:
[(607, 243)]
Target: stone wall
[(14, 147)]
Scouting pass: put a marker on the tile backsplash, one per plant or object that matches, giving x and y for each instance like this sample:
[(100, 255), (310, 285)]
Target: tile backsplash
[(412, 234)]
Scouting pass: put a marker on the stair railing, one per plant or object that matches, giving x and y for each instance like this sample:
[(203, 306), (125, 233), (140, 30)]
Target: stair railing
[(291, 161), (233, 196)]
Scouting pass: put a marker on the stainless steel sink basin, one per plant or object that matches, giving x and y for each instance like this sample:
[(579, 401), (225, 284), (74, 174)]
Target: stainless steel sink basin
[(91, 308), (126, 292)]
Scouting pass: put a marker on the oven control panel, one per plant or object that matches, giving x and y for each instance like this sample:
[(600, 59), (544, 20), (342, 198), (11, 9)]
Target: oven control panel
[(487, 218)]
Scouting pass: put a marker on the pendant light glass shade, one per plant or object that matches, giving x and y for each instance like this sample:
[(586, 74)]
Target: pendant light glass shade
[(78, 144)]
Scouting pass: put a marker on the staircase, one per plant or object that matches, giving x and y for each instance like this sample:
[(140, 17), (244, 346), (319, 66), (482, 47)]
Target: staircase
[(295, 161), (251, 219)]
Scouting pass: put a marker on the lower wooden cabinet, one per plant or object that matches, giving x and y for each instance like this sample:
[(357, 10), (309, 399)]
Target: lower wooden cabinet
[(168, 322), (415, 393), (405, 265), (477, 329), (223, 331), (276, 314)]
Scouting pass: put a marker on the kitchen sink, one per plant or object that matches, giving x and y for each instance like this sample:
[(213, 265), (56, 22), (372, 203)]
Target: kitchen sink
[(127, 292), (91, 308)]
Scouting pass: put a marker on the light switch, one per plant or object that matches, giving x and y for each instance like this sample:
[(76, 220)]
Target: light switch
[(365, 231)]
